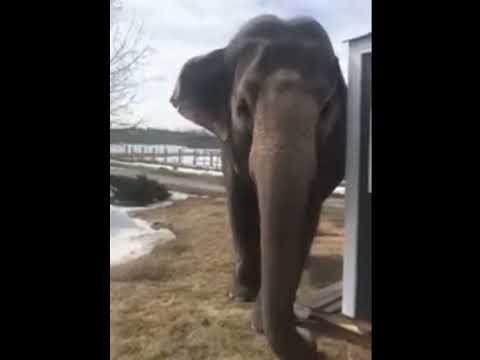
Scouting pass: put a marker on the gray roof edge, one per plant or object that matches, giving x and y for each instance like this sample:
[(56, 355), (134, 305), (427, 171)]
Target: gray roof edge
[(357, 37)]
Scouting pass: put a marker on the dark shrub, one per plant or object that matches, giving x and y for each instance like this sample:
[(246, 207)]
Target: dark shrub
[(139, 191)]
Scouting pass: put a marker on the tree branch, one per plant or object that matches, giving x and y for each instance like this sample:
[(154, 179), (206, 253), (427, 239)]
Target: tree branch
[(127, 56)]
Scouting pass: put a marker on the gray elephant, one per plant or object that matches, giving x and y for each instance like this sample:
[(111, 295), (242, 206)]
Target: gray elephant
[(276, 98)]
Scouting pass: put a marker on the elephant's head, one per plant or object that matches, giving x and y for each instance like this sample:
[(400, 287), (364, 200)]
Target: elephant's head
[(274, 90)]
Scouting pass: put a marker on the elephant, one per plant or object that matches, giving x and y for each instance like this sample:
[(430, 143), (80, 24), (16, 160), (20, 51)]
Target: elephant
[(275, 97)]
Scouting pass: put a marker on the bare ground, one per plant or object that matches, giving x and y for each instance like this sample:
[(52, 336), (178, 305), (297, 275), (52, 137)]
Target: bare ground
[(173, 304)]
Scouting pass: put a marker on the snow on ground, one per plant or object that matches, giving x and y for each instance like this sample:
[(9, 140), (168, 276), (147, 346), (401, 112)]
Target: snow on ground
[(168, 167), (200, 172), (131, 238), (140, 164), (340, 190), (174, 196)]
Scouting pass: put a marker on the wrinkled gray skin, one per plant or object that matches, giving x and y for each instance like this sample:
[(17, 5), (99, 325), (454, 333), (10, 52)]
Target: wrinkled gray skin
[(275, 97)]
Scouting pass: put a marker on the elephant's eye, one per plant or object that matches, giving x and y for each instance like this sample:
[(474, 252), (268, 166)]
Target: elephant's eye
[(243, 110)]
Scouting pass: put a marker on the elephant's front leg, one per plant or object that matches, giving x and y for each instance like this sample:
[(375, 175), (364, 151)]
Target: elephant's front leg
[(243, 214)]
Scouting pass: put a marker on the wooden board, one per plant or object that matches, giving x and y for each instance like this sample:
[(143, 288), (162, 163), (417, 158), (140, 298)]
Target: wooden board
[(326, 328), (326, 299), (324, 296), (359, 327), (321, 314), (333, 307)]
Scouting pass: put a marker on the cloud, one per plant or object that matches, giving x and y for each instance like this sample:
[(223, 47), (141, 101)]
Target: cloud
[(180, 29), (160, 78)]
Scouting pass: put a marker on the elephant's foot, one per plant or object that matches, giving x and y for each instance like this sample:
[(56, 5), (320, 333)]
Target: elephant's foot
[(242, 293), (297, 345), (246, 282), (304, 348), (310, 340), (257, 322)]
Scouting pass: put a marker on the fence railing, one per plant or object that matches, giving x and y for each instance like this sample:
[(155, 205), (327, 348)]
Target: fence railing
[(202, 159)]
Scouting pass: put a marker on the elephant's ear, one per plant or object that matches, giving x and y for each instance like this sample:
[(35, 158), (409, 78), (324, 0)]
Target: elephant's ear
[(333, 93), (202, 92)]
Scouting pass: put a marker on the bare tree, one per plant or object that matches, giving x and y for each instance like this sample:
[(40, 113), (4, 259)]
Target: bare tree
[(127, 56)]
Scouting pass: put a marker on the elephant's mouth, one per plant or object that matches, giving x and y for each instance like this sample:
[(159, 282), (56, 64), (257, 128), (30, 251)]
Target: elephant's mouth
[(190, 111), (187, 111), (184, 108)]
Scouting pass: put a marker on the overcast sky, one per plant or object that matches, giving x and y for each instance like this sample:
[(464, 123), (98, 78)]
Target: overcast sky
[(180, 29)]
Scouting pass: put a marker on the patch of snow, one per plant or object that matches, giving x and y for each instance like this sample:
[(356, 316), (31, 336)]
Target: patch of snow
[(139, 164), (163, 204), (168, 167), (131, 238), (200, 172), (176, 196)]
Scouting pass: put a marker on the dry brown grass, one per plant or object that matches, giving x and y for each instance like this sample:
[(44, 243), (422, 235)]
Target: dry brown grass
[(145, 268), (172, 304)]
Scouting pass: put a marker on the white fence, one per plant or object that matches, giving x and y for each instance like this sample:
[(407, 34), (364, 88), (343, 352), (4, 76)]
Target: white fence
[(176, 156)]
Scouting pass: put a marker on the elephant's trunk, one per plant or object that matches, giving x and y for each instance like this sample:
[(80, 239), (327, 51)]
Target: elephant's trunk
[(283, 194), (283, 165)]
